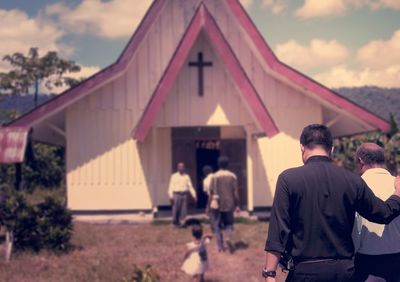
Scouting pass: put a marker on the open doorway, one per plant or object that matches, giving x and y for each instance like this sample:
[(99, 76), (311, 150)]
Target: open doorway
[(207, 154), (201, 146)]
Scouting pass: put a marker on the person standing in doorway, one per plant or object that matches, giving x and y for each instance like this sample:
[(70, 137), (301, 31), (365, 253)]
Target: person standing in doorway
[(377, 246), (222, 202), (180, 186)]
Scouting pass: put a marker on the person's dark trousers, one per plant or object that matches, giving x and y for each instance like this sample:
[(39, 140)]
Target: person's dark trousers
[(326, 271), (384, 266), (179, 208), (218, 221)]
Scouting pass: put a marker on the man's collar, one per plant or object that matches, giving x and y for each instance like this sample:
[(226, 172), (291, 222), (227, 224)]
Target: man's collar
[(376, 170), (319, 158)]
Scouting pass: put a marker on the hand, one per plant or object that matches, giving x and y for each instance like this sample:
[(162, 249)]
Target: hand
[(397, 186), (237, 210)]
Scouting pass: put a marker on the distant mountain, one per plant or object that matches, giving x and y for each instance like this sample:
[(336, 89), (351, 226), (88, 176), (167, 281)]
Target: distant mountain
[(380, 101), (21, 104)]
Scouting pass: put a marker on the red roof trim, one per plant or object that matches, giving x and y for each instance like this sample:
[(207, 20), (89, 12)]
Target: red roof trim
[(239, 75), (76, 92), (204, 20), (297, 77), (13, 142)]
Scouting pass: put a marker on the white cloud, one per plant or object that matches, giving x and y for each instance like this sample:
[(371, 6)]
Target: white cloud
[(86, 71), (247, 3), (318, 53), (380, 53), (394, 4), (332, 8), (343, 75), (377, 63), (108, 19), (277, 6), (19, 32), (318, 8)]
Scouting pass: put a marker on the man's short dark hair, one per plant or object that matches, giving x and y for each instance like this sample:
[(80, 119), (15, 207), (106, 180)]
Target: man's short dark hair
[(370, 154), (207, 170), (315, 135), (223, 162), (197, 231)]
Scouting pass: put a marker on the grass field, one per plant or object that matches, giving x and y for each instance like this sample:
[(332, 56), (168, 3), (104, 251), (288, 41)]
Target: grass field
[(107, 252)]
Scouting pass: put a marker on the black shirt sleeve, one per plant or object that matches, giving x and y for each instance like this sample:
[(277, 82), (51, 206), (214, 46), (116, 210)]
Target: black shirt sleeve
[(374, 209), (279, 227)]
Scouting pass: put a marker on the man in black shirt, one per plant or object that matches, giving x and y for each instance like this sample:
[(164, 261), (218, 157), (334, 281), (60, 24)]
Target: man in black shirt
[(314, 210)]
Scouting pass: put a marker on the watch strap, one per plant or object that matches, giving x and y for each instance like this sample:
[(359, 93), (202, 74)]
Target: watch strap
[(268, 273)]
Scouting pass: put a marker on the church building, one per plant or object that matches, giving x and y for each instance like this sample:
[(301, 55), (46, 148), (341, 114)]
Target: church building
[(197, 80)]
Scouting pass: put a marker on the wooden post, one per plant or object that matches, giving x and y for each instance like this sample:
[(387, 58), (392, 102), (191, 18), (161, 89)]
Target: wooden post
[(9, 245)]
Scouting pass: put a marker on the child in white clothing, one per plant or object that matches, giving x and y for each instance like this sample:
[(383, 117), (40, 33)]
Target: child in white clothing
[(196, 261)]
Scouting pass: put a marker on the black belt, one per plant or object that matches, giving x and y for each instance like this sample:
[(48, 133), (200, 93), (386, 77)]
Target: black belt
[(181, 193), (315, 260)]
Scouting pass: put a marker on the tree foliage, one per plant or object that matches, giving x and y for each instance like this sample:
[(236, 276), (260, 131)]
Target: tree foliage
[(46, 170), (346, 147), (145, 274), (47, 225), (32, 69)]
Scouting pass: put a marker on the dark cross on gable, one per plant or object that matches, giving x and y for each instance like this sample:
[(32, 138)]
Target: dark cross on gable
[(200, 64)]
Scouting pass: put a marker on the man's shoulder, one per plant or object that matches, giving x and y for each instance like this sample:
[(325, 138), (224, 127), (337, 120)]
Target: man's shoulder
[(224, 173), (380, 181), (177, 174), (304, 170)]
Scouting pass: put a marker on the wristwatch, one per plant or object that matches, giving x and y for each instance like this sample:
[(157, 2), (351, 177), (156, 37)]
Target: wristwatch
[(267, 273)]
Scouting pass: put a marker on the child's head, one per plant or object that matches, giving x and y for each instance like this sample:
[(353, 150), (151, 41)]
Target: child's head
[(197, 231)]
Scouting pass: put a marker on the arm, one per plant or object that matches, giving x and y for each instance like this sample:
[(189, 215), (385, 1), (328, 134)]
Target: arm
[(279, 228), (187, 253), (236, 194), (271, 263), (210, 194), (191, 189), (374, 209), (170, 188)]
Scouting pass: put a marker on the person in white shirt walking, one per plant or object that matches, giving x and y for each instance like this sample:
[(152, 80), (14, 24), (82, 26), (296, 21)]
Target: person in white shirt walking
[(208, 174), (377, 246), (179, 187)]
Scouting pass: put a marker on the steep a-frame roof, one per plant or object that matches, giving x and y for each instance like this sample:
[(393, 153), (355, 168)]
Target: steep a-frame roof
[(298, 78), (70, 96), (79, 91), (203, 21)]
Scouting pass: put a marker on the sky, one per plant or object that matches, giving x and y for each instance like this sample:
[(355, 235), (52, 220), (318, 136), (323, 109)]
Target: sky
[(337, 42)]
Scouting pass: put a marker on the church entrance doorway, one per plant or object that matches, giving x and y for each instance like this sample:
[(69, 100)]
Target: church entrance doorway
[(201, 146)]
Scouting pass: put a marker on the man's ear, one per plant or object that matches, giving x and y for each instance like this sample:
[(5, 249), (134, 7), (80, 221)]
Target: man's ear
[(302, 148), (361, 161)]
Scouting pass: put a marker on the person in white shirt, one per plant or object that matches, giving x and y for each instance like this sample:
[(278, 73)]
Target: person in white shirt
[(377, 246), (179, 187), (208, 174)]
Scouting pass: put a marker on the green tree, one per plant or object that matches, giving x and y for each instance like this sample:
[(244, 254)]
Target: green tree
[(346, 147), (30, 71), (47, 170)]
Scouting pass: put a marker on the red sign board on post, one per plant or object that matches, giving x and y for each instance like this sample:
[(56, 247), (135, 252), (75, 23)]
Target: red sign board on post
[(13, 142)]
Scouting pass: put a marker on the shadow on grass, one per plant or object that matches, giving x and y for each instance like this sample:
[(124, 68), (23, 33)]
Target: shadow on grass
[(193, 221)]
